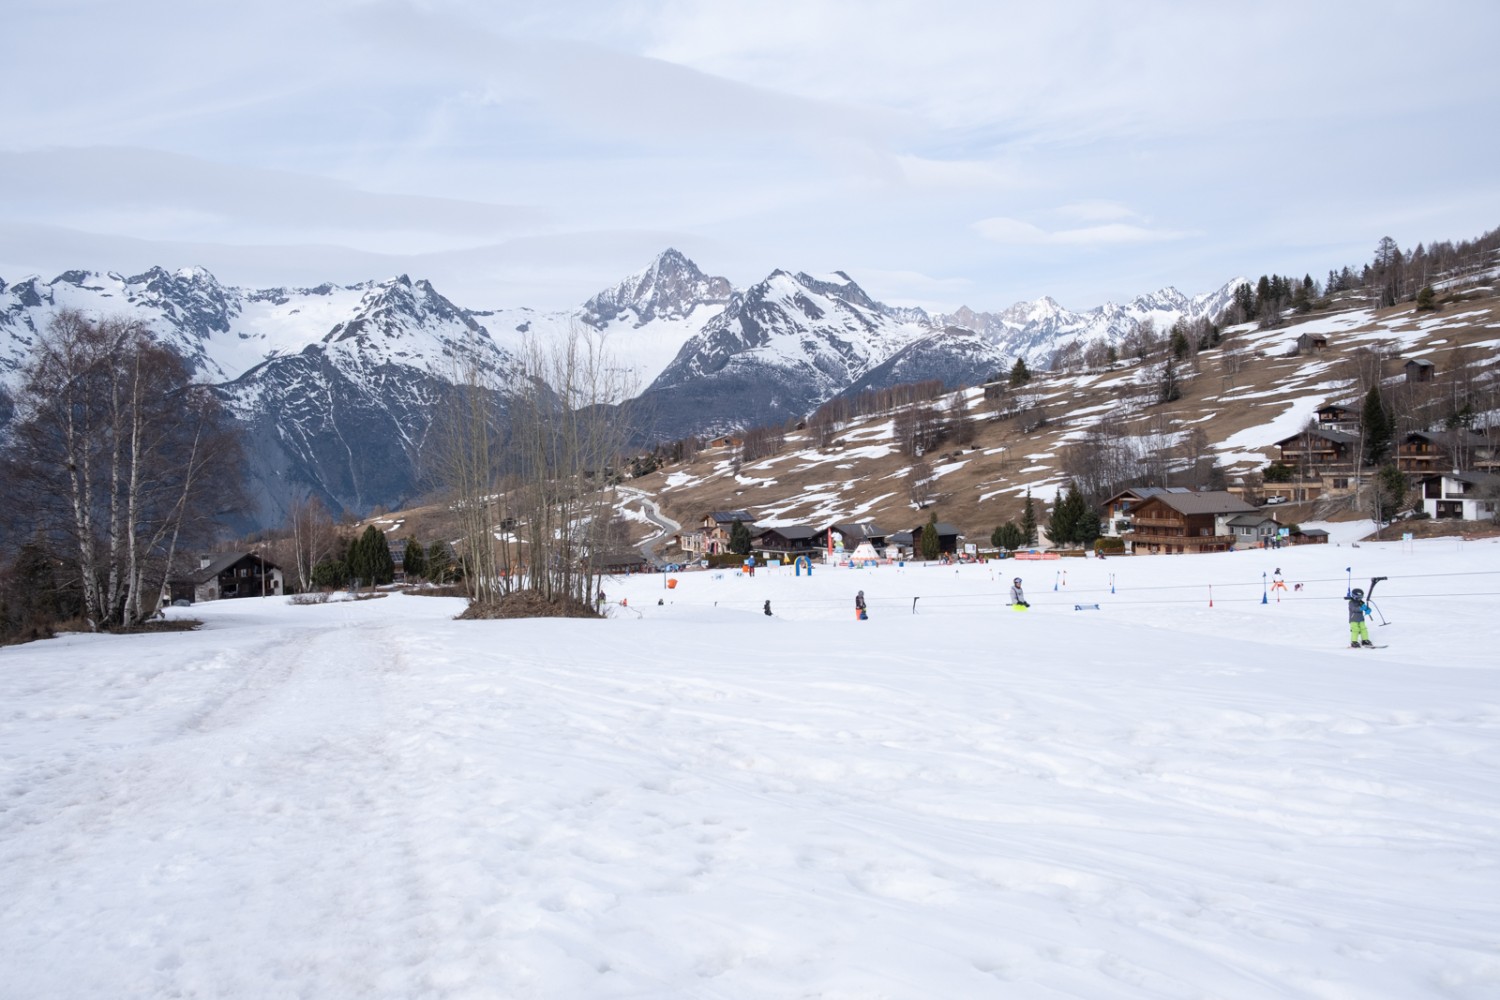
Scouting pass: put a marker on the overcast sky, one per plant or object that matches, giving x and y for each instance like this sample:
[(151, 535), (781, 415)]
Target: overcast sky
[(942, 152)]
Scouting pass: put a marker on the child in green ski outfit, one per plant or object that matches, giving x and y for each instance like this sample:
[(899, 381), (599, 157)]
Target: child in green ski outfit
[(1359, 632)]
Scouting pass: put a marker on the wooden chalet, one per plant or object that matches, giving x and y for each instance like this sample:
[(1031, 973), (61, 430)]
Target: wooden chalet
[(1333, 417), (1467, 496), (949, 539), (1308, 536), (619, 563), (789, 541), (1423, 453), (1118, 508), (1185, 522), (1324, 462), (712, 536), (223, 576)]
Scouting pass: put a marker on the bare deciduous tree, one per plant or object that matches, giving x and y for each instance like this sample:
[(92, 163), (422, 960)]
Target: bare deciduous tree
[(122, 456)]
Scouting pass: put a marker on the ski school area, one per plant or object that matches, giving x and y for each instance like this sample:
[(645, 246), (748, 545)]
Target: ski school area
[(1167, 778), (1300, 592)]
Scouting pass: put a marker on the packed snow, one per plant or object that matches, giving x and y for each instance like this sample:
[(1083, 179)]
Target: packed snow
[(1194, 790)]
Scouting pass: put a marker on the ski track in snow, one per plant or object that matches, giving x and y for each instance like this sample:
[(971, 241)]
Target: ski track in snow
[(1157, 799)]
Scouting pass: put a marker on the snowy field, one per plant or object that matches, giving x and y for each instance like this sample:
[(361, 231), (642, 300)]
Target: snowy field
[(1195, 791)]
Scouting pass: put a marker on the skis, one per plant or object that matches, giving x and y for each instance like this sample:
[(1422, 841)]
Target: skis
[(1361, 646)]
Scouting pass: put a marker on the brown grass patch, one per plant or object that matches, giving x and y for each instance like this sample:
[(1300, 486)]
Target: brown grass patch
[(529, 604)]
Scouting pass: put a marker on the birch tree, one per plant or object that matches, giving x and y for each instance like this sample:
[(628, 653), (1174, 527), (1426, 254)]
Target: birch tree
[(121, 457)]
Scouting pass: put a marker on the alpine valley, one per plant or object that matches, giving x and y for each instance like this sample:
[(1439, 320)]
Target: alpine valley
[(337, 387)]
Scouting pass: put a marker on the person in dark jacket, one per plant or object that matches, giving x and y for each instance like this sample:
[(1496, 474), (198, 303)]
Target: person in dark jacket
[(859, 606)]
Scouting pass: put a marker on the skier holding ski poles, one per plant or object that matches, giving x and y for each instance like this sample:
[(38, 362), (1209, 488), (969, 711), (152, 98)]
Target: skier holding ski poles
[(1359, 607), (1359, 632)]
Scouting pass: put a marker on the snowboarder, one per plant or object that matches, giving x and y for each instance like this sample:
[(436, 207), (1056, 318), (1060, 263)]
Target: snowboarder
[(859, 606), (1359, 632), (1017, 595)]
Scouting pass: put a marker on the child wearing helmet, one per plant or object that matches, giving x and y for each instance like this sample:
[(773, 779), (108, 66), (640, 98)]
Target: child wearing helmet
[(1017, 596), (1359, 632)]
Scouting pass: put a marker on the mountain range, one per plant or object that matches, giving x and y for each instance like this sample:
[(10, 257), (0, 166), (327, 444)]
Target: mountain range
[(337, 386)]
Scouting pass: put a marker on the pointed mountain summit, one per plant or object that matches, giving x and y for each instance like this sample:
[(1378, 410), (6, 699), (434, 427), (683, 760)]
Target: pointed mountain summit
[(670, 288)]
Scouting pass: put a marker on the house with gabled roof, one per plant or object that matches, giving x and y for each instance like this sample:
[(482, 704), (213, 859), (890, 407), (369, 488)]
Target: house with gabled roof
[(1253, 531), (225, 575), (712, 538), (1420, 453), (1467, 496), (1334, 417), (1117, 509), (1185, 522), (788, 540)]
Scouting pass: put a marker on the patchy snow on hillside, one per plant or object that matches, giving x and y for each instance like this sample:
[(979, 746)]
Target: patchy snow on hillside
[(1195, 790)]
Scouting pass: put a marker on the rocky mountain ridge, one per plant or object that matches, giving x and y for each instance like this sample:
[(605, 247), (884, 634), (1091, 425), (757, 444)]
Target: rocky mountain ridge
[(337, 385)]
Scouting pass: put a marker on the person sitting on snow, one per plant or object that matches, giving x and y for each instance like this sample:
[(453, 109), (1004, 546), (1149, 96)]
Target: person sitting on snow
[(1017, 595), (859, 606)]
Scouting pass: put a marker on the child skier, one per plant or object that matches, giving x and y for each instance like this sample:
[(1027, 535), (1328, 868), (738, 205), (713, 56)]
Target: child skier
[(859, 606), (1017, 595), (1359, 632)]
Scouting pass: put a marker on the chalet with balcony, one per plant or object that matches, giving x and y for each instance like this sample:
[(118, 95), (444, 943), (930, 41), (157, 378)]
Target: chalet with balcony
[(1333, 417), (949, 538), (1423, 453), (223, 576), (1467, 496), (1323, 463), (712, 536), (1118, 508), (788, 541), (1185, 522)]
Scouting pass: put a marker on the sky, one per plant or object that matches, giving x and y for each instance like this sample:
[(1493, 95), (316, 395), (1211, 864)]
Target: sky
[(1195, 790), (941, 152)]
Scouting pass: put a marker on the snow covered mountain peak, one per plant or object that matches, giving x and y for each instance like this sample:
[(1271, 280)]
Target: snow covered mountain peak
[(670, 287)]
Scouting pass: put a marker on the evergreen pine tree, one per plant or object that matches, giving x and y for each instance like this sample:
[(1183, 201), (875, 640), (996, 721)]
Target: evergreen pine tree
[(414, 560), (1028, 521), (1378, 426), (1008, 537), (739, 539), (1060, 524), (1171, 387), (1019, 373), (370, 558), (930, 542), (329, 573), (1426, 300)]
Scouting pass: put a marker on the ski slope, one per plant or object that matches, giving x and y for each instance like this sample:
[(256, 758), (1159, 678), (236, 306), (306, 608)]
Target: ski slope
[(1165, 797)]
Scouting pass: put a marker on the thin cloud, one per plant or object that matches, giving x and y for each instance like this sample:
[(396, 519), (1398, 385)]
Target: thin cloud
[(1000, 229)]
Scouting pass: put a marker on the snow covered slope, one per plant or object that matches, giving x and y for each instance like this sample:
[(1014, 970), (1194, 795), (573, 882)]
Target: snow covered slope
[(1160, 798)]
